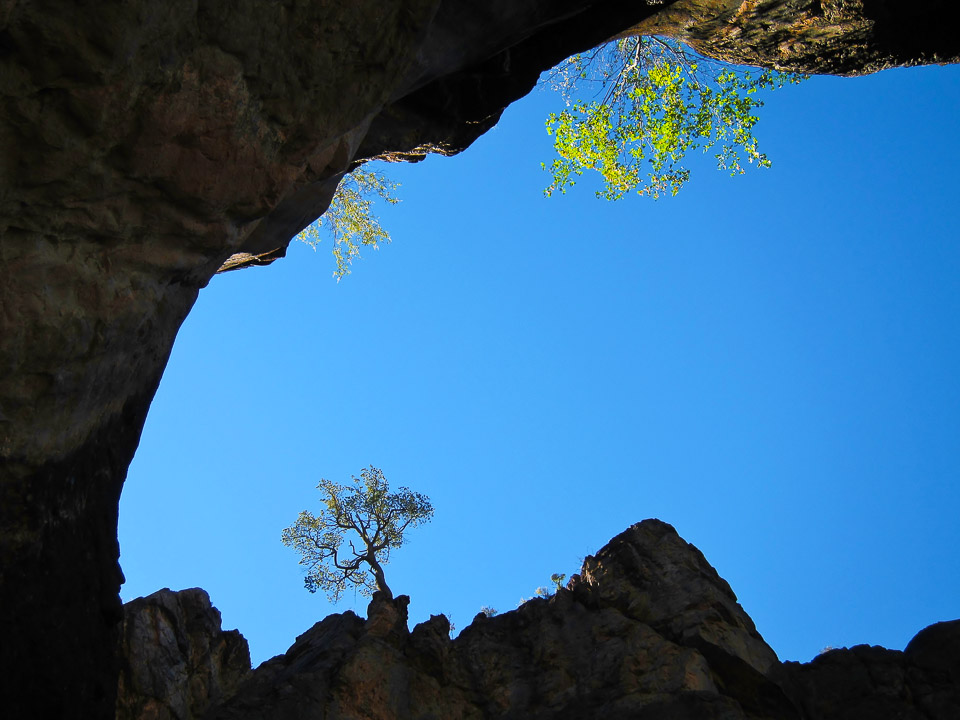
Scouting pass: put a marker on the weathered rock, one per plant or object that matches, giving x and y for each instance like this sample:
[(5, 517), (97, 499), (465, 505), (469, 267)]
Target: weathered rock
[(650, 574), (589, 652), (145, 145), (836, 37), (922, 682), (647, 630), (141, 147), (176, 660)]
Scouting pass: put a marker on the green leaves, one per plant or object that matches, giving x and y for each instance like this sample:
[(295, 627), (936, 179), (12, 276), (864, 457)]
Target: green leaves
[(659, 102), (350, 217), (371, 518)]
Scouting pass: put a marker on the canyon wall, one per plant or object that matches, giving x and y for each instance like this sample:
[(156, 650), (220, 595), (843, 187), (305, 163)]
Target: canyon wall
[(648, 629), (144, 146)]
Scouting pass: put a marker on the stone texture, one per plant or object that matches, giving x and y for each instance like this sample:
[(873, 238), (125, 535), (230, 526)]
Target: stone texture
[(142, 145), (647, 630), (145, 145), (836, 37), (920, 683), (650, 574), (620, 642), (176, 660)]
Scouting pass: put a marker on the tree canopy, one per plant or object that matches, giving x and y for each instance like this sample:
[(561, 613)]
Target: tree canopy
[(635, 107), (653, 101), (369, 518), (350, 217)]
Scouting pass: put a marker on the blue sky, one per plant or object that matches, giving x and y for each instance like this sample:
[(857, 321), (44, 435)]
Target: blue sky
[(767, 362)]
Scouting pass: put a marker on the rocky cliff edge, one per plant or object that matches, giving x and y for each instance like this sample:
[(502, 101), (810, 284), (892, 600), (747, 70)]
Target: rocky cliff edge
[(648, 629)]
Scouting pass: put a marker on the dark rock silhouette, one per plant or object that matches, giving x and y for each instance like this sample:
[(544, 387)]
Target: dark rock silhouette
[(648, 629), (923, 681)]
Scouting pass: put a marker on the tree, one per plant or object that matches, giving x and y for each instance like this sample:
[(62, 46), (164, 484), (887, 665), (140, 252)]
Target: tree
[(557, 580), (659, 101), (367, 510), (350, 217)]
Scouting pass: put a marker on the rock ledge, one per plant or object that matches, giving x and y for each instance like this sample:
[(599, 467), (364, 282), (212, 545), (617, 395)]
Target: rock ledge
[(648, 629)]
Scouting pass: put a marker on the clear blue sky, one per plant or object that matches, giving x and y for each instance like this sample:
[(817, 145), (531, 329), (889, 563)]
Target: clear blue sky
[(770, 363)]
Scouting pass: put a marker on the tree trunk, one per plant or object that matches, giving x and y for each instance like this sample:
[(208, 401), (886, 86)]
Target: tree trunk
[(378, 576)]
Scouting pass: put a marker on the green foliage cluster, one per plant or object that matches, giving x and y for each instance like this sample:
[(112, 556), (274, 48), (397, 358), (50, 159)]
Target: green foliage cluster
[(557, 580), (375, 520), (655, 100), (350, 218), (659, 101)]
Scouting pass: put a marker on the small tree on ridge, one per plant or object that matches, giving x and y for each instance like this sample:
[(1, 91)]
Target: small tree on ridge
[(375, 518)]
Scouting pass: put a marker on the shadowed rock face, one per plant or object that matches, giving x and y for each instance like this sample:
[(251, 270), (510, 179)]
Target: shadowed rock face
[(142, 145), (175, 660), (648, 629), (145, 145)]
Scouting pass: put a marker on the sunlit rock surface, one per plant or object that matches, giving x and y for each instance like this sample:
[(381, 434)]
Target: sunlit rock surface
[(835, 37), (175, 660), (648, 629)]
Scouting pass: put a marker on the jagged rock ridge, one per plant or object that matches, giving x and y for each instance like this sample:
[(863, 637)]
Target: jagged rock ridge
[(648, 629)]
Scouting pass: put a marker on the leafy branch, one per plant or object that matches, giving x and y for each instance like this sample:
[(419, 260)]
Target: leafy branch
[(657, 101), (350, 217)]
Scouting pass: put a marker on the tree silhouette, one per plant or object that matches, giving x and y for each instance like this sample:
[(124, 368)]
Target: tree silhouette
[(369, 518)]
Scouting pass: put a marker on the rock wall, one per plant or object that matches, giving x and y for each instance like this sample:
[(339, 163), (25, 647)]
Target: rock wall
[(836, 37), (175, 660), (143, 145), (146, 145), (648, 629)]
